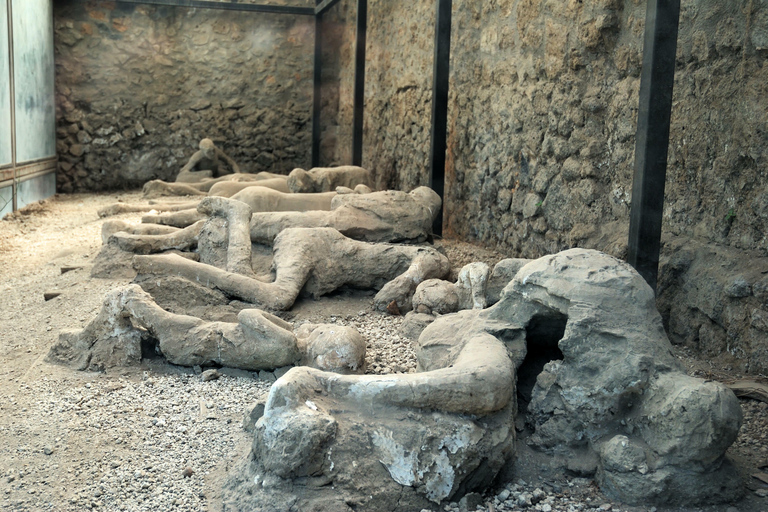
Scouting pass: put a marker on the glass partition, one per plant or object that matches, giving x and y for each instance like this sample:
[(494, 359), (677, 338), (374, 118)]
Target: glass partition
[(33, 79), (5, 90)]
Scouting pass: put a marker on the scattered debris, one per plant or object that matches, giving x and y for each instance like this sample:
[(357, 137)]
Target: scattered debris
[(209, 375), (748, 388)]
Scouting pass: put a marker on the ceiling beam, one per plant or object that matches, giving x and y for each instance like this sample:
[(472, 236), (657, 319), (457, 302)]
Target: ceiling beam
[(228, 6), (323, 6)]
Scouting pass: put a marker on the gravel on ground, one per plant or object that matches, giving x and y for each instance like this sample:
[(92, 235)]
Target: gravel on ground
[(159, 437)]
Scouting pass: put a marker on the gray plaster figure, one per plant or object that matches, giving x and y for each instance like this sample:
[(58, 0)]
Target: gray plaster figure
[(260, 199), (388, 216), (225, 186), (476, 288), (258, 341), (158, 188), (313, 261), (150, 238), (577, 334), (326, 179), (206, 163)]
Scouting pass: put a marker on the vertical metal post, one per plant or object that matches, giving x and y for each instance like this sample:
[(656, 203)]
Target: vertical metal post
[(12, 94), (440, 77), (359, 100), (316, 94), (652, 144)]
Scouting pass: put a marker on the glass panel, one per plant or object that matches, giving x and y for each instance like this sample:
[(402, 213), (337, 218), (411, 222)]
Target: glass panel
[(33, 72), (35, 189), (6, 201), (5, 89)]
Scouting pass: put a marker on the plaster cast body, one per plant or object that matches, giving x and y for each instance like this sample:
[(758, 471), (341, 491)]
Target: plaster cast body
[(389, 216), (313, 261), (258, 340), (206, 163), (326, 179), (260, 199), (618, 397)]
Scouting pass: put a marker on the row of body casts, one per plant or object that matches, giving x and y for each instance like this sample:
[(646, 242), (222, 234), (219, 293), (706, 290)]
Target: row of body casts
[(610, 402)]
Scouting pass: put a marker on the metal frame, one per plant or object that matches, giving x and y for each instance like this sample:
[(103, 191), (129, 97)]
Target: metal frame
[(12, 92), (361, 28), (439, 128), (317, 80), (652, 142), (13, 174), (361, 34), (228, 6), (323, 6)]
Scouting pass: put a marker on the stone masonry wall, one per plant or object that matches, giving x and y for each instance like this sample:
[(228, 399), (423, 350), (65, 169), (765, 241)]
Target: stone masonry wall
[(398, 92), (543, 105), (542, 119), (341, 23), (138, 87), (338, 45)]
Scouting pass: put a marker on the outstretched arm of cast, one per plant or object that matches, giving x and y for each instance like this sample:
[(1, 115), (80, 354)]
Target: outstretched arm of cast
[(480, 381)]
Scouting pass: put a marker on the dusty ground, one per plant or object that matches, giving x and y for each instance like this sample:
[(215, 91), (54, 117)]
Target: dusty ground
[(125, 440)]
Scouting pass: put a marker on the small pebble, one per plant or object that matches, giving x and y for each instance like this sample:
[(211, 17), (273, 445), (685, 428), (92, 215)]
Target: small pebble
[(187, 472), (209, 375)]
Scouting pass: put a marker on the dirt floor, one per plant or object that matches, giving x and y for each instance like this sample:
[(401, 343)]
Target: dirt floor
[(157, 437)]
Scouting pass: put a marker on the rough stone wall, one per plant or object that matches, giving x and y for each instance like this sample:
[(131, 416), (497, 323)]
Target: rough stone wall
[(542, 119), (543, 105), (338, 45), (717, 185), (398, 92), (138, 87)]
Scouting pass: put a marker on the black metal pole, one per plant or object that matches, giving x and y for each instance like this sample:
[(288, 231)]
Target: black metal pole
[(229, 6), (359, 101), (440, 77), (316, 94), (652, 144), (324, 6)]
